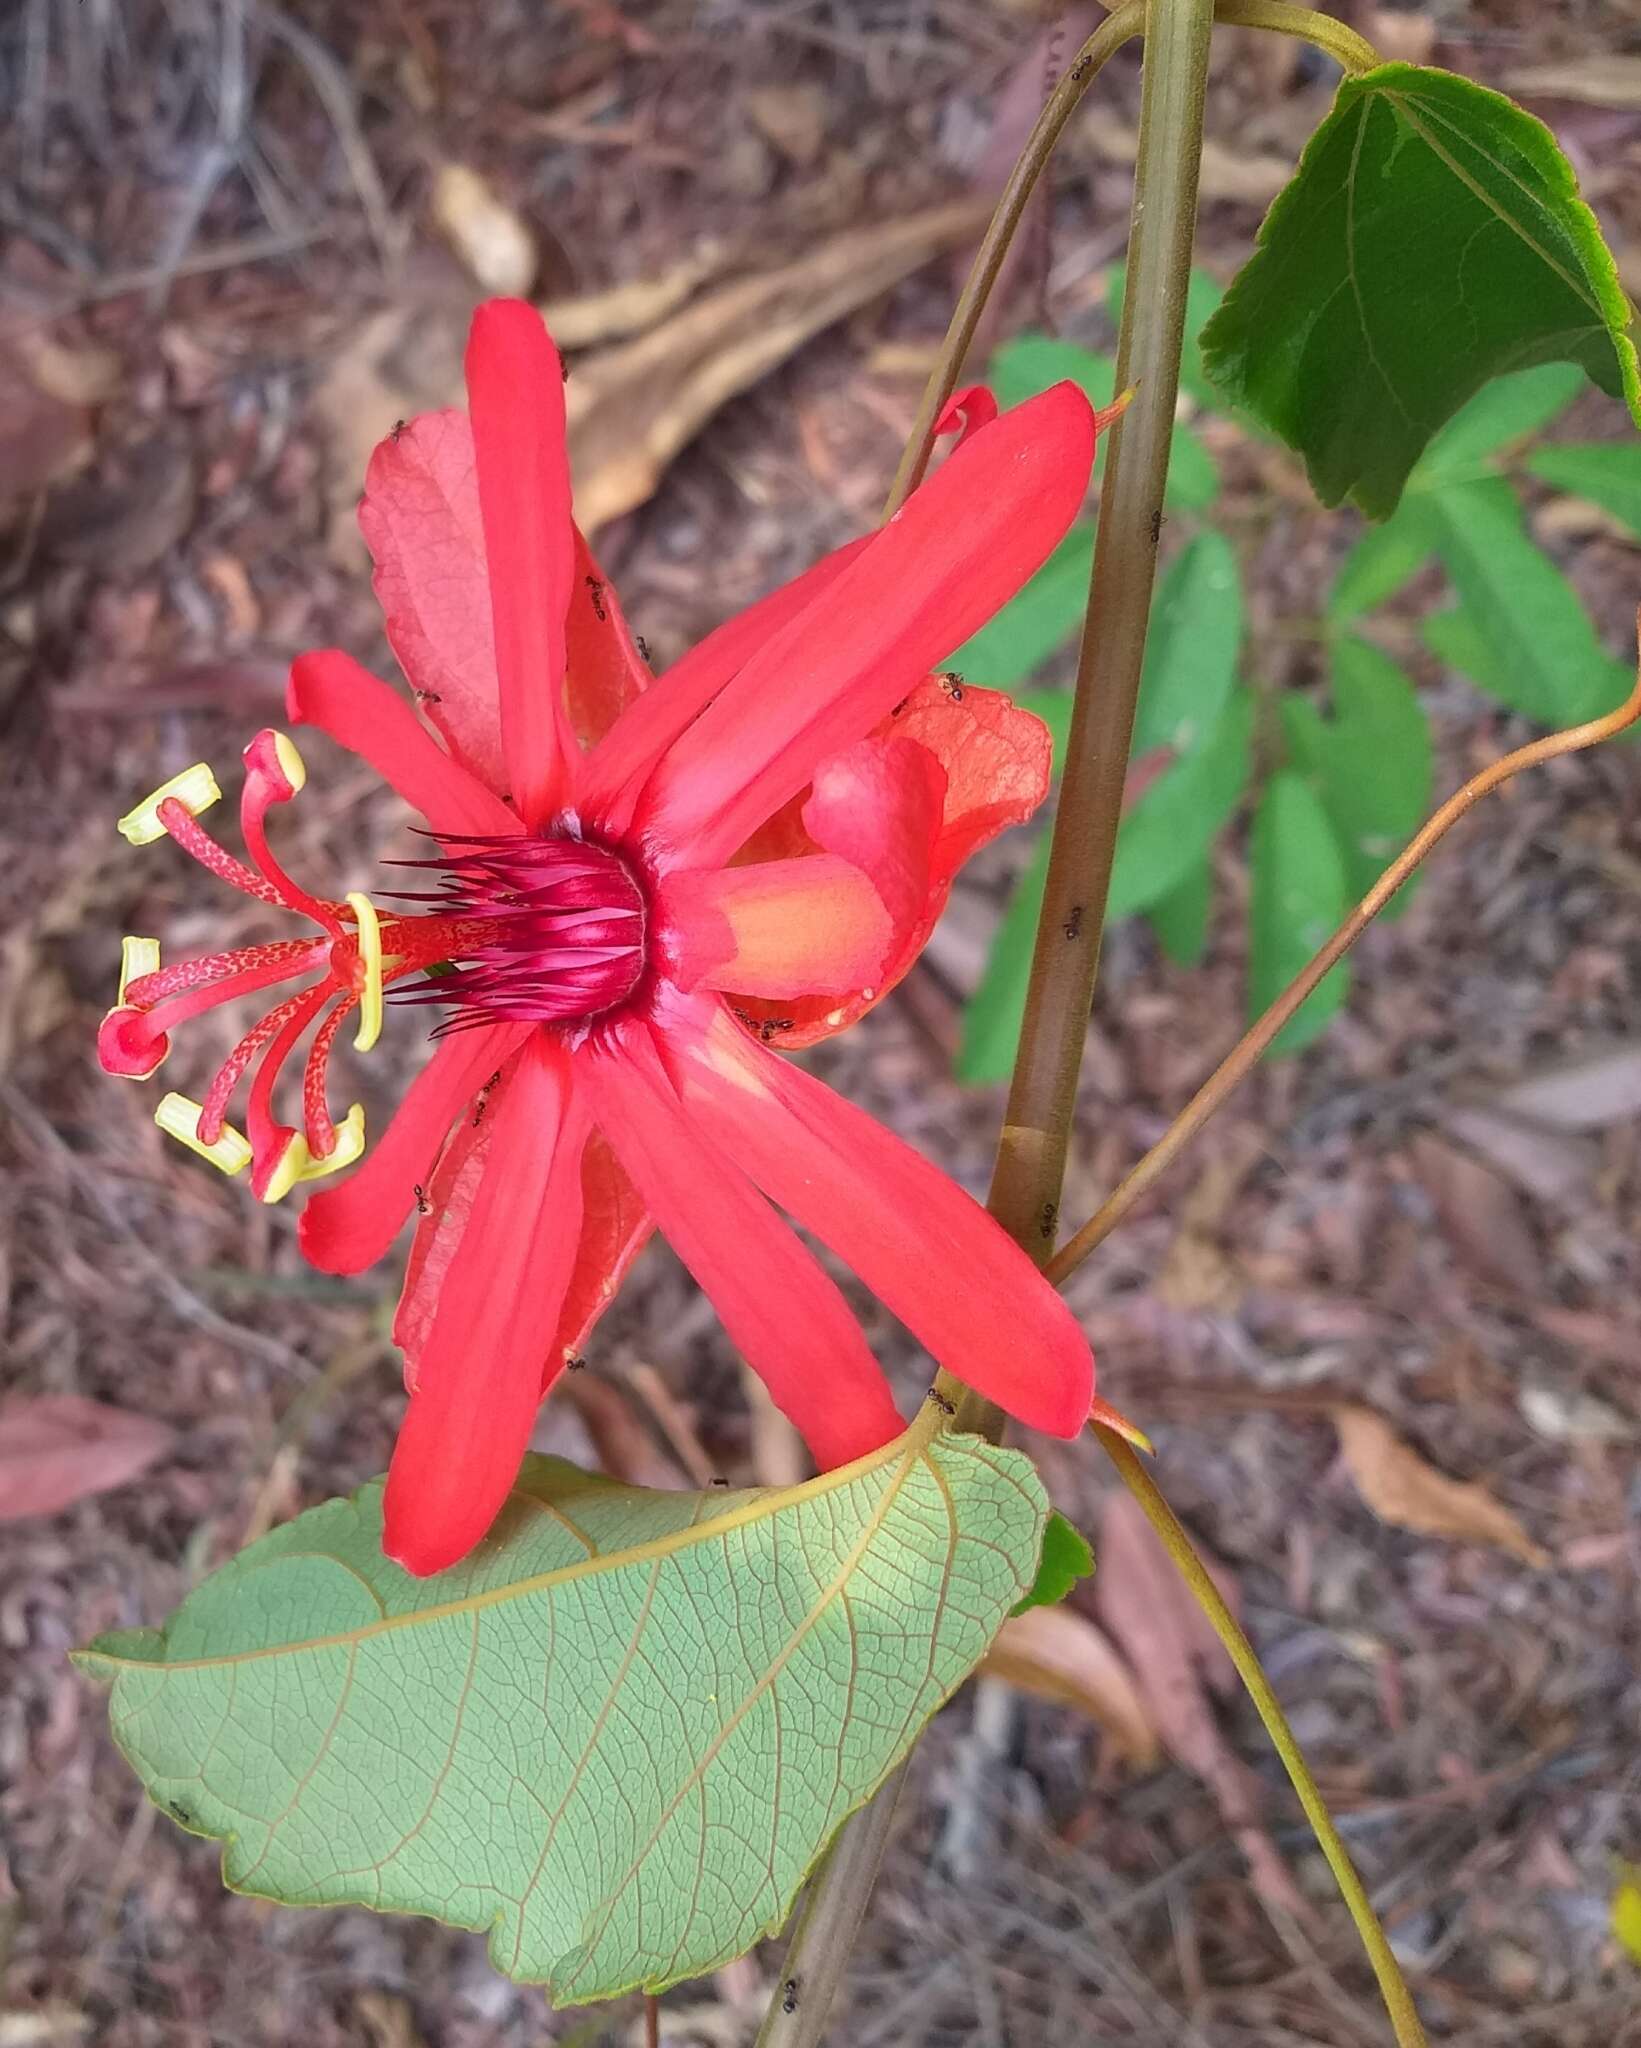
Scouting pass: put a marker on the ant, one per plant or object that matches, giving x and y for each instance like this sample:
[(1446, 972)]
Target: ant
[(574, 1362), (946, 1407), (1074, 923), (951, 684), (643, 647), (1049, 1216), (595, 590), (423, 1206), (789, 1995), (398, 429), (427, 697)]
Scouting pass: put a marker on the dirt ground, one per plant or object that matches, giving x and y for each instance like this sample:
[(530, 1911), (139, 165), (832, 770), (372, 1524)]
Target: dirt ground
[(213, 216)]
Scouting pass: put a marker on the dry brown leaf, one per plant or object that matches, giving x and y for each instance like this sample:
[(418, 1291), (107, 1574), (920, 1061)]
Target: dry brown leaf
[(1480, 1214), (1583, 1095), (1606, 80), (1402, 1489), (1179, 1663), (633, 408), (1546, 1163), (1057, 1654), (793, 117), (56, 1449), (42, 436), (496, 247), (634, 307)]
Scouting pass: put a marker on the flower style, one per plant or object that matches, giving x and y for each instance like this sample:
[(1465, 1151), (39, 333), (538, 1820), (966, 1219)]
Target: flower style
[(637, 887)]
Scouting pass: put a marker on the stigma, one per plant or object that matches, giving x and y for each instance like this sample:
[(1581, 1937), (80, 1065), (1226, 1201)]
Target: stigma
[(340, 964)]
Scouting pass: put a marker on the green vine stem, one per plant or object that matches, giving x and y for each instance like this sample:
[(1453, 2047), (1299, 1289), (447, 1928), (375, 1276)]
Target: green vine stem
[(1392, 1985), (1026, 1185), (1025, 1191)]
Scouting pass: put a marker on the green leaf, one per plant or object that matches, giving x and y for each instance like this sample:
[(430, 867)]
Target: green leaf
[(1431, 238), (1032, 362), (1193, 480), (1066, 1559), (1036, 622), (1372, 762), (1180, 919), (1192, 648), (615, 1738), (1171, 827), (1298, 899), (1608, 473), (991, 1024), (1526, 640), (1202, 299), (1503, 412), (1382, 561)]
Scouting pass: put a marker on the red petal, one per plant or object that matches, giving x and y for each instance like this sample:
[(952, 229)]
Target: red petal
[(781, 1311), (614, 776), (360, 712), (420, 519), (615, 1227), (347, 1228), (780, 928), (451, 1195), (996, 761), (479, 1381), (957, 550), (929, 1252), (606, 670), (515, 392), (970, 409)]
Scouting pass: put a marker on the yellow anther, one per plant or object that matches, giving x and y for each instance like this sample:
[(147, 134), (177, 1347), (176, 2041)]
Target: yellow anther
[(370, 958), (350, 1143), (295, 768), (137, 958), (292, 1167), (195, 789), (179, 1119)]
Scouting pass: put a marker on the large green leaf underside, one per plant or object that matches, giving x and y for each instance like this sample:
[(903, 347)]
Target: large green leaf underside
[(616, 1737), (1431, 238)]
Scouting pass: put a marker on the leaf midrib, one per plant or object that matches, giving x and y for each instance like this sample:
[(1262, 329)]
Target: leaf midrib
[(910, 1448)]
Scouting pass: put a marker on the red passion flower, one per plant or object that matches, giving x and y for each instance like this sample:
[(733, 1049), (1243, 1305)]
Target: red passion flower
[(636, 887)]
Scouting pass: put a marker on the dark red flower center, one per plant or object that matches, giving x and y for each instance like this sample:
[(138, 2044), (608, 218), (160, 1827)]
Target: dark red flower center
[(551, 930)]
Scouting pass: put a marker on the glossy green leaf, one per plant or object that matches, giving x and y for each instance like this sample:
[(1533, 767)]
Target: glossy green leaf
[(1431, 238), (1036, 622), (615, 1738), (1372, 763), (1066, 1559), (1527, 639), (1608, 473), (1202, 298), (991, 1023), (1173, 824), (1298, 898), (1502, 413), (1192, 648), (1180, 919), (1383, 560)]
